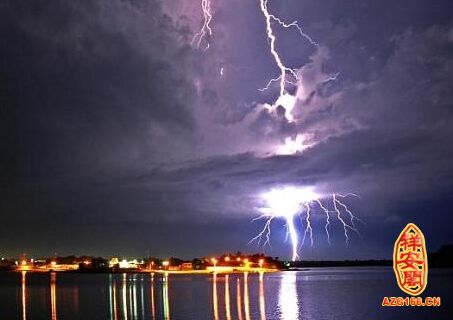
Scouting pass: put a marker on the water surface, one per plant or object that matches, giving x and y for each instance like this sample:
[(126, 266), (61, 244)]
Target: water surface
[(321, 293)]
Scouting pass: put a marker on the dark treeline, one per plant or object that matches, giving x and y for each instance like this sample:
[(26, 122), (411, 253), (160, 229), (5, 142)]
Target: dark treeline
[(443, 258)]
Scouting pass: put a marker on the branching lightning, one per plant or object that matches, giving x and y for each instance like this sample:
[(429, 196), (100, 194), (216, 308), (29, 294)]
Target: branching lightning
[(308, 228), (326, 226), (266, 232), (290, 202), (282, 79), (206, 30), (287, 75), (296, 25)]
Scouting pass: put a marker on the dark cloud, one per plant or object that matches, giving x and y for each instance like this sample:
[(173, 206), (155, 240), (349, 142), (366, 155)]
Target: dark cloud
[(114, 126), (83, 88)]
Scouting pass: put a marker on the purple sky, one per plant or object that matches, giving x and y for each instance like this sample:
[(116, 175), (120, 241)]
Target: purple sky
[(119, 137)]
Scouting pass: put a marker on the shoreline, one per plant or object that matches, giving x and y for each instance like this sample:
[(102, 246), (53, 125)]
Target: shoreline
[(150, 271)]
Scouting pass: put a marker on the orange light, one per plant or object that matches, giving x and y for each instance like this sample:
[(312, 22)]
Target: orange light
[(24, 263), (165, 263), (238, 259), (261, 262), (227, 258)]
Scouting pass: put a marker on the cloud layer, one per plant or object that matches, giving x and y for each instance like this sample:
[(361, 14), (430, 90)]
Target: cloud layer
[(111, 117)]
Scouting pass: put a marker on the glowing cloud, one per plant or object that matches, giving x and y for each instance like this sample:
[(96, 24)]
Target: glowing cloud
[(294, 145), (286, 201)]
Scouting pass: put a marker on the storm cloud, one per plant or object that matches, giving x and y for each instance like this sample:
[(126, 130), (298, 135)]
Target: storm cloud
[(113, 126)]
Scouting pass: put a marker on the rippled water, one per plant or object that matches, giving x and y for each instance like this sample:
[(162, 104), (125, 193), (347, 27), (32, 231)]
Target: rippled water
[(323, 293)]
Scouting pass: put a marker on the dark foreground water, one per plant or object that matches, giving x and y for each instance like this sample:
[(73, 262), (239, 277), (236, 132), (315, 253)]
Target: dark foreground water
[(323, 293)]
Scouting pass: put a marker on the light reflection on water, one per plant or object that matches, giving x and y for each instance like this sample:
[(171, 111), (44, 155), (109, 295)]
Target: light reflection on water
[(53, 295), (132, 301), (227, 297), (214, 297), (153, 304), (24, 294), (262, 299), (129, 304), (238, 298), (166, 301), (287, 297), (146, 296), (317, 294)]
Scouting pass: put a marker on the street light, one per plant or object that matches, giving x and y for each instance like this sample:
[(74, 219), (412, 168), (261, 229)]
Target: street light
[(261, 262), (214, 262), (166, 263)]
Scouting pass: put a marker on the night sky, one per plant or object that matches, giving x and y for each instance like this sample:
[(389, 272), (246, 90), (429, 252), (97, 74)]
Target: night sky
[(120, 137)]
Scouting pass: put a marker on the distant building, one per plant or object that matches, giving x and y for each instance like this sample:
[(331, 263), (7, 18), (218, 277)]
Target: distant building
[(132, 264), (54, 266), (114, 262), (187, 266)]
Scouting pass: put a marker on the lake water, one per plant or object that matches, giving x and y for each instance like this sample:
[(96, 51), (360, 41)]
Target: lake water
[(322, 293)]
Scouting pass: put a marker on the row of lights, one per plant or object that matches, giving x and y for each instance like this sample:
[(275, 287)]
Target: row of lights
[(246, 261), (165, 263), (214, 261)]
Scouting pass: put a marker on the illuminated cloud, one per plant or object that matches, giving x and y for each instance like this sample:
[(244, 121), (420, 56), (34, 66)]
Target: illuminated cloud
[(116, 124)]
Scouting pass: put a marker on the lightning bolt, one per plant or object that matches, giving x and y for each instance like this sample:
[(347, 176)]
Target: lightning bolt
[(326, 226), (265, 232), (272, 39), (294, 237), (308, 228), (206, 30), (287, 75), (351, 215), (346, 226), (296, 25), (286, 200)]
